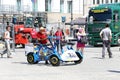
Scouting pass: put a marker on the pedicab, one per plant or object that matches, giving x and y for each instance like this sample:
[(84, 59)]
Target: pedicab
[(38, 52)]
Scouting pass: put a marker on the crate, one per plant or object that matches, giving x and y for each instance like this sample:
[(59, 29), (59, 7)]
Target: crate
[(29, 48)]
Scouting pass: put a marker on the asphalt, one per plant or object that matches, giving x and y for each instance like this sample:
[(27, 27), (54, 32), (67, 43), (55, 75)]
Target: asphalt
[(93, 67)]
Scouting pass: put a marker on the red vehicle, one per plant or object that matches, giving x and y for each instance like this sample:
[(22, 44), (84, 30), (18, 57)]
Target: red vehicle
[(22, 34)]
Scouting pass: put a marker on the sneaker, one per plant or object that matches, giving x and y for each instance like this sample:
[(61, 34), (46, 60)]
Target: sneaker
[(9, 57), (46, 62), (110, 56), (1, 55), (103, 57)]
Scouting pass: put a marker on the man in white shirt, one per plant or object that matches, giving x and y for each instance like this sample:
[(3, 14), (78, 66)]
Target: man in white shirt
[(7, 42), (106, 36)]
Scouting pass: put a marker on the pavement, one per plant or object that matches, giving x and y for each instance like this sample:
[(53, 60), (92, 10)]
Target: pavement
[(93, 67)]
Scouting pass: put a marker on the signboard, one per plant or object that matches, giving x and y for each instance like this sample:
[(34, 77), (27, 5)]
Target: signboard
[(69, 55), (99, 10)]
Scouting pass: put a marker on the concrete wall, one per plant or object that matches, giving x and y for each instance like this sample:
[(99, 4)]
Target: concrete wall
[(41, 5), (56, 17)]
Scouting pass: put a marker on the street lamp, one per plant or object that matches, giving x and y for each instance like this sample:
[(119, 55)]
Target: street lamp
[(71, 24), (83, 7)]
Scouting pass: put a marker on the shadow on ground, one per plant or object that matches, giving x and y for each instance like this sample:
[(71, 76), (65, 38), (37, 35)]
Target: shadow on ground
[(114, 71)]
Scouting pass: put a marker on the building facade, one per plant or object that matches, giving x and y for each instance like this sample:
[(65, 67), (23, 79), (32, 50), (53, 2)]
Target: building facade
[(58, 8)]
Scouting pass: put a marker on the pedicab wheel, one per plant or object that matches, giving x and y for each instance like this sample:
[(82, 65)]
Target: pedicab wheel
[(54, 60), (80, 58), (30, 58)]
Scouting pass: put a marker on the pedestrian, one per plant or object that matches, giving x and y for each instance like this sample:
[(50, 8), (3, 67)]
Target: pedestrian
[(51, 32), (63, 34), (59, 36), (33, 34), (106, 37), (80, 45), (7, 39), (42, 38)]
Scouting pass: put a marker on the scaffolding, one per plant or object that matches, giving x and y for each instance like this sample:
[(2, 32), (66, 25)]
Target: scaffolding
[(8, 11)]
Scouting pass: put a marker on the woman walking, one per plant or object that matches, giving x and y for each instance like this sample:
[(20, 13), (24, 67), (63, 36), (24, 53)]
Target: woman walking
[(80, 34)]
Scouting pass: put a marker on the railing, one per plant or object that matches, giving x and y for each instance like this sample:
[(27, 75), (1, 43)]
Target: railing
[(14, 9)]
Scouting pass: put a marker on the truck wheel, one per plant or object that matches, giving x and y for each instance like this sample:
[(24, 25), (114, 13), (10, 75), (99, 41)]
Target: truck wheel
[(54, 60), (80, 58), (30, 58), (119, 40)]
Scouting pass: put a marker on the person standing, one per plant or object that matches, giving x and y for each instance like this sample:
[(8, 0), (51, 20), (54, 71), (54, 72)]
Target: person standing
[(106, 37), (51, 32), (59, 36), (33, 34), (7, 39), (80, 46)]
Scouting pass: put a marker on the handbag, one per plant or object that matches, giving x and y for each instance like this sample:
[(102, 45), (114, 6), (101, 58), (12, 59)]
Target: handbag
[(83, 39)]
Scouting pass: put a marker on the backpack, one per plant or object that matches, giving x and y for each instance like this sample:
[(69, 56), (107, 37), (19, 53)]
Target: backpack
[(83, 39)]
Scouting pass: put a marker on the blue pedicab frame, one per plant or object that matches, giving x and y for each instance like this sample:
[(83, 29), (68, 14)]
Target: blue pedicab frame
[(50, 53)]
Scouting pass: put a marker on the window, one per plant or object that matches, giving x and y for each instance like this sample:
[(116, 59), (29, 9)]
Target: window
[(48, 5), (61, 5), (100, 16), (116, 0), (18, 5), (106, 1), (116, 16), (69, 6), (111, 1), (98, 2), (102, 1), (93, 1)]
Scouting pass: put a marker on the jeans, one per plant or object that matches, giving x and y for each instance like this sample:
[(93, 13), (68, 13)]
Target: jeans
[(106, 44), (59, 45), (7, 50)]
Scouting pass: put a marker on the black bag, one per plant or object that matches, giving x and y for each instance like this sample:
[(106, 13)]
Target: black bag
[(83, 39)]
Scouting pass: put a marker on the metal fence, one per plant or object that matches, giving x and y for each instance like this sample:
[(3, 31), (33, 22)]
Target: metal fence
[(13, 9)]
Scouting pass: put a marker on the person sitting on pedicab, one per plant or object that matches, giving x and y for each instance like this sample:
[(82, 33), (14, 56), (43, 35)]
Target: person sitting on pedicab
[(42, 38)]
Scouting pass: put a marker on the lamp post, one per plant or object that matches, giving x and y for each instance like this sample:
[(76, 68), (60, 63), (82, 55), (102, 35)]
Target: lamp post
[(83, 7), (71, 25)]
